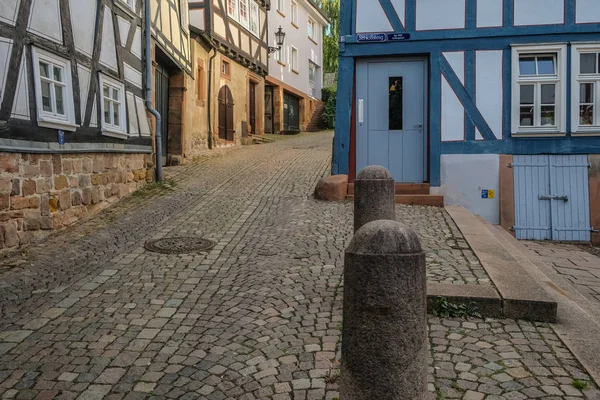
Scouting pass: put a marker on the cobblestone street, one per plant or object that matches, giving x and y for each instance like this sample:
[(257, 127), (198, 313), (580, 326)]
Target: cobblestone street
[(90, 314)]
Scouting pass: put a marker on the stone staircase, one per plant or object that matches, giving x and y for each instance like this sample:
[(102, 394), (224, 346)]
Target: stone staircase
[(410, 193), (316, 124)]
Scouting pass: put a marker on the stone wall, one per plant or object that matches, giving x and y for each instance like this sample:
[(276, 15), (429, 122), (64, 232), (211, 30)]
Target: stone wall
[(42, 192)]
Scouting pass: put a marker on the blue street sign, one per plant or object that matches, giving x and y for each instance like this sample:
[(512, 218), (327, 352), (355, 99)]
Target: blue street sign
[(61, 137), (371, 37), (392, 37), (484, 194)]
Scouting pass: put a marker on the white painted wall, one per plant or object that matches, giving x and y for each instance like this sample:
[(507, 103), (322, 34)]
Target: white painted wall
[(453, 112), (440, 14), (539, 12), (5, 51), (21, 104), (488, 92), (44, 20), (489, 13), (587, 11), (83, 16), (8, 11), (463, 176), (370, 17), (108, 51), (297, 37)]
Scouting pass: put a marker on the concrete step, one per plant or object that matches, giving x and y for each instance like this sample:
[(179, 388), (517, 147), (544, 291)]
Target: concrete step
[(402, 188), (523, 297), (415, 199)]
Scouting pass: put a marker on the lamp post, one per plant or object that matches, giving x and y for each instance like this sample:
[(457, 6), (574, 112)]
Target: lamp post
[(279, 37)]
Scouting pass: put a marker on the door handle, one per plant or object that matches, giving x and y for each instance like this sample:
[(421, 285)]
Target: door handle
[(361, 111), (419, 126), (549, 197)]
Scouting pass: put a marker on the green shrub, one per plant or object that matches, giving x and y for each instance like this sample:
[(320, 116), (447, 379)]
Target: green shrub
[(329, 96)]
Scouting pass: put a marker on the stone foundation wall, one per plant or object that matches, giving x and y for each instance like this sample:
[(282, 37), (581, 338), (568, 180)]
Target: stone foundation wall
[(42, 192)]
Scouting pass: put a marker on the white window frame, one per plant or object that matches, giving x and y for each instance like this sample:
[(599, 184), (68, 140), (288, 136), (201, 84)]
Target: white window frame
[(50, 119), (244, 22), (281, 6), (255, 17), (236, 13), (576, 78), (560, 50), (294, 61), (312, 22), (119, 131), (294, 12)]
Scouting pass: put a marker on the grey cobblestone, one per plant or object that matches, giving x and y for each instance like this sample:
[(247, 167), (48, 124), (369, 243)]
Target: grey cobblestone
[(90, 313)]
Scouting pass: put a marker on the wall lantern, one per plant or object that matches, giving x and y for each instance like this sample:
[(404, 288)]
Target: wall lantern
[(280, 37)]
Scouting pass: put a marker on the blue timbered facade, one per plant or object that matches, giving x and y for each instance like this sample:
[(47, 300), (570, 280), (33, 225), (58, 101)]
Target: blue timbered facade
[(477, 97)]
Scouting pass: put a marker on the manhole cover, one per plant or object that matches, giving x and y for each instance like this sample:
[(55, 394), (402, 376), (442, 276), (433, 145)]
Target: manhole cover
[(178, 245)]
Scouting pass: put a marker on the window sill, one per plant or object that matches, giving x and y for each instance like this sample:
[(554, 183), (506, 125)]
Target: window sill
[(228, 77), (595, 132), (52, 124), (295, 26), (280, 13), (296, 72), (540, 133), (281, 63), (313, 40), (118, 135)]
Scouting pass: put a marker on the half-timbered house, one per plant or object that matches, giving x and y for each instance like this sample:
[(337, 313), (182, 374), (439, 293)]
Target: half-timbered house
[(74, 134), (230, 64), (492, 104)]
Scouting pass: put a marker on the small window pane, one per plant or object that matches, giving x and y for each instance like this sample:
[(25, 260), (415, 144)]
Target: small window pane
[(395, 104), (546, 66), (588, 63), (548, 115), (46, 97), (527, 94), (586, 93), (526, 118), (586, 115), (527, 65), (107, 111), (116, 116), (549, 94), (44, 70), (58, 74), (116, 94), (105, 90), (60, 106)]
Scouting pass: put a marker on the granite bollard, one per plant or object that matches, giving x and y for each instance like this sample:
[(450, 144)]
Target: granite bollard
[(384, 334), (374, 196)]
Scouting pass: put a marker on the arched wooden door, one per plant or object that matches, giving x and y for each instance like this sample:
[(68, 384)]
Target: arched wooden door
[(226, 130)]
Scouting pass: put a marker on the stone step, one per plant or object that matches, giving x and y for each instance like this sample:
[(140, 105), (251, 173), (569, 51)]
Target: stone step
[(402, 188), (415, 199)]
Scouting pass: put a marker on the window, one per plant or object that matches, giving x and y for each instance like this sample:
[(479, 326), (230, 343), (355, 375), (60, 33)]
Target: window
[(294, 59), (281, 6), (129, 3), (586, 89), (280, 55), (312, 32), (254, 19), (232, 8), (294, 13), (112, 106), (244, 14), (225, 68), (395, 104), (183, 14), (538, 90), (53, 90), (312, 83)]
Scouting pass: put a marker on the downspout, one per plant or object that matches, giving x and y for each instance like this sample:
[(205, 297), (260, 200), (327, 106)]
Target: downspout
[(153, 111), (209, 98)]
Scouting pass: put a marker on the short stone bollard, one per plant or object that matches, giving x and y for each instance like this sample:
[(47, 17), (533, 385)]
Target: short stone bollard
[(374, 196), (384, 334)]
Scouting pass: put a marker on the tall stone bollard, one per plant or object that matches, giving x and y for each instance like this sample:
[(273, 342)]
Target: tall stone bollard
[(374, 190), (384, 334)]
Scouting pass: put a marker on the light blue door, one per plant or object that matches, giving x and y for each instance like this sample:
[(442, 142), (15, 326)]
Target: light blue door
[(390, 117), (552, 197)]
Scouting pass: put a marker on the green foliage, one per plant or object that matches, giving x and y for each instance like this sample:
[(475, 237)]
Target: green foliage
[(328, 96), (580, 384), (331, 8), (443, 308)]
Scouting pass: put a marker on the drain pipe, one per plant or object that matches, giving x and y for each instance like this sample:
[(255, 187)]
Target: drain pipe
[(153, 111), (209, 98)]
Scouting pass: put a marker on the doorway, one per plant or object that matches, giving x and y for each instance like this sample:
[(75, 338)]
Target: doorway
[(291, 113), (161, 87), (252, 108), (226, 131), (391, 115), (268, 109)]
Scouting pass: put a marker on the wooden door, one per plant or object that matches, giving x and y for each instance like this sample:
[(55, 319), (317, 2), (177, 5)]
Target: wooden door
[(226, 130), (252, 108), (268, 109), (291, 113)]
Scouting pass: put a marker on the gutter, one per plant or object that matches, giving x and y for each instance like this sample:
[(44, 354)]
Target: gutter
[(202, 35), (149, 106)]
